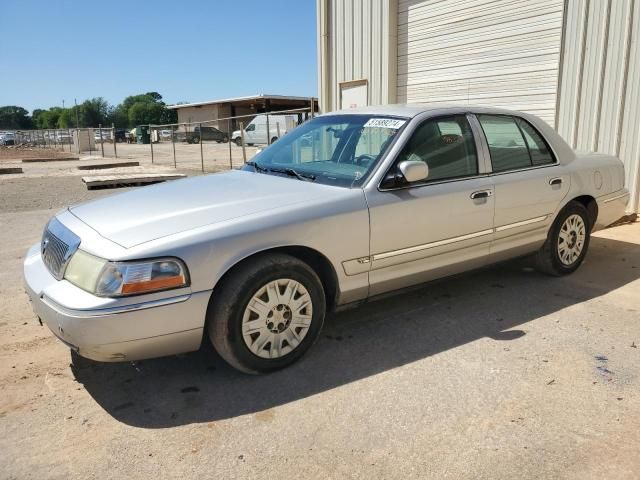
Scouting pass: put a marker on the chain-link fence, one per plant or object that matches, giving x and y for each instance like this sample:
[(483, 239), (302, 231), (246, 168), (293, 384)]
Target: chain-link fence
[(210, 145), (79, 141), (222, 143)]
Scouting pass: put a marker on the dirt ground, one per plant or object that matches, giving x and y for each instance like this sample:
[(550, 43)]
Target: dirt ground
[(12, 153), (498, 374)]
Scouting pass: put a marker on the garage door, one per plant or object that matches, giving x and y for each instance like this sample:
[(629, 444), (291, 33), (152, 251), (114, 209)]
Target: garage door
[(502, 53)]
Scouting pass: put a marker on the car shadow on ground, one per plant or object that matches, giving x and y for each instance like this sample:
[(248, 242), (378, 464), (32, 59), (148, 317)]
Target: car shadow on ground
[(356, 344)]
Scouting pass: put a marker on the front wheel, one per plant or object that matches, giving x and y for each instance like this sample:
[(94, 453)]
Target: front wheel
[(267, 313), (238, 141), (567, 241)]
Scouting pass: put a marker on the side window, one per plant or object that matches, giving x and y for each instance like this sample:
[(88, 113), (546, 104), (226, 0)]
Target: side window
[(540, 154), (506, 145), (447, 146)]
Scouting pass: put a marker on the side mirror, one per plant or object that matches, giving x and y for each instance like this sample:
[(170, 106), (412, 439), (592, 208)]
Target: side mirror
[(413, 171)]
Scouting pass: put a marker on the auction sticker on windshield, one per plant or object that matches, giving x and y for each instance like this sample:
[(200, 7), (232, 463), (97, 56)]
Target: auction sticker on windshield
[(385, 123)]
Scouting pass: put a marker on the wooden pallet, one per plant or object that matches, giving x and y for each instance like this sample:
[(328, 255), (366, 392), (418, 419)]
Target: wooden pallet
[(36, 160), (128, 180), (101, 166), (7, 170)]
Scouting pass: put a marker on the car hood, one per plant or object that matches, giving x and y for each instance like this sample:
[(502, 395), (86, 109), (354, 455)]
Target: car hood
[(156, 211)]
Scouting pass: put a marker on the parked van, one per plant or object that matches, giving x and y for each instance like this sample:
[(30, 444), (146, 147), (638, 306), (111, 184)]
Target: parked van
[(256, 132)]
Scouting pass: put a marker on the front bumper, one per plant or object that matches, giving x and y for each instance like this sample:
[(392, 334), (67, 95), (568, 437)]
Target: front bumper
[(111, 330)]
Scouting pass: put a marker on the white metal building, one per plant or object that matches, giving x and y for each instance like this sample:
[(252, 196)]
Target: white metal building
[(575, 63)]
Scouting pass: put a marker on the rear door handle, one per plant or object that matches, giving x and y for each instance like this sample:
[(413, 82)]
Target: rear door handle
[(481, 194), (555, 181)]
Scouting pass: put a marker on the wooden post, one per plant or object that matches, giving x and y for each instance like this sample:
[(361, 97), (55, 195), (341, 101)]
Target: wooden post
[(229, 142), (244, 152), (101, 140), (173, 144), (150, 141), (201, 154), (113, 136), (268, 132)]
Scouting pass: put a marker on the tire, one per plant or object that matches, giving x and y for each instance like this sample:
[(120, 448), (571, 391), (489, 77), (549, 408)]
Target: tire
[(238, 141), (273, 140), (195, 140), (567, 241), (225, 139), (252, 349)]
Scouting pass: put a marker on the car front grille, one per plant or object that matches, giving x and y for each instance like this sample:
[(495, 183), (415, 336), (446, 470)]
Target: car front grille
[(57, 246)]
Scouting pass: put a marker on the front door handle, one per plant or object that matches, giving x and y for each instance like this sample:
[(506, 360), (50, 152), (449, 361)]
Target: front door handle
[(555, 181), (481, 194)]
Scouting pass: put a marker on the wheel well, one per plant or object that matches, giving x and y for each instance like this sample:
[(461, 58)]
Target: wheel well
[(318, 262), (591, 205)]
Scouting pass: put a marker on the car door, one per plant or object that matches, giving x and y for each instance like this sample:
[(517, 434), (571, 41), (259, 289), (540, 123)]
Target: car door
[(529, 184), (441, 225)]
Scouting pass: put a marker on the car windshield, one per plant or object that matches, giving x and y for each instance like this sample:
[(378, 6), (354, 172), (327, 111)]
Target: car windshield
[(339, 150)]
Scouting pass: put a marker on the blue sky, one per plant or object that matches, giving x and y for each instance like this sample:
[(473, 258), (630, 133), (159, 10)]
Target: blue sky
[(187, 50)]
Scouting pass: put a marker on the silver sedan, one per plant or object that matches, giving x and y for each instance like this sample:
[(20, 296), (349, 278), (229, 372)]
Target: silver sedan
[(346, 207)]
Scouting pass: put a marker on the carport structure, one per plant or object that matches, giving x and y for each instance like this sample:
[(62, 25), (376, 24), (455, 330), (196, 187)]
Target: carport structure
[(240, 106)]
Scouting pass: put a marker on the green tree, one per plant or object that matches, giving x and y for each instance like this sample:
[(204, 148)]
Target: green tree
[(46, 118), (14, 117), (67, 118), (144, 113), (118, 116), (94, 112), (35, 117), (143, 109)]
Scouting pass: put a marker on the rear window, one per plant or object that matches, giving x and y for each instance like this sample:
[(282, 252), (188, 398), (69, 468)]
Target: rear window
[(538, 149), (514, 143)]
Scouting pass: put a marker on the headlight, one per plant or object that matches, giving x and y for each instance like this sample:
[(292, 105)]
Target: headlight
[(118, 279)]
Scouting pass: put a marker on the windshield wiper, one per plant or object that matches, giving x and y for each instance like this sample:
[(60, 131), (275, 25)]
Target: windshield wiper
[(292, 173), (287, 171), (258, 168)]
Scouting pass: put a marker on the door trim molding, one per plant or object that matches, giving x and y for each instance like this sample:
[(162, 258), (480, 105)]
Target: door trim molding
[(522, 223), (447, 241), (425, 246)]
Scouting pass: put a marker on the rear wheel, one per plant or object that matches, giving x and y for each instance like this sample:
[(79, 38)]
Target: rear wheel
[(567, 241), (225, 139), (274, 139), (267, 313), (238, 141)]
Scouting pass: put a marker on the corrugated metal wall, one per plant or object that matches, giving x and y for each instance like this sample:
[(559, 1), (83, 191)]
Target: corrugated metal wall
[(500, 53), (358, 48), (599, 99), (575, 63)]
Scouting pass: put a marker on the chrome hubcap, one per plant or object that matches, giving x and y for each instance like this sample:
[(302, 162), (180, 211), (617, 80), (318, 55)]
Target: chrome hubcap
[(277, 318), (571, 239)]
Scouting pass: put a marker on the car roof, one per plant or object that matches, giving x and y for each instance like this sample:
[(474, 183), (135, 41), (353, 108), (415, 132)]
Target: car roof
[(410, 110)]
